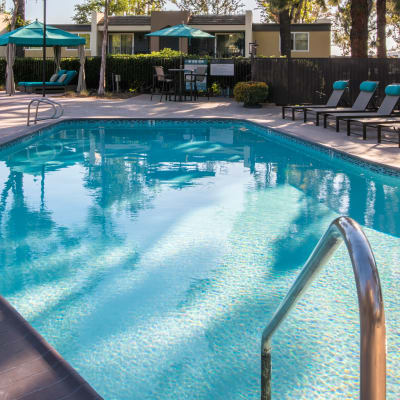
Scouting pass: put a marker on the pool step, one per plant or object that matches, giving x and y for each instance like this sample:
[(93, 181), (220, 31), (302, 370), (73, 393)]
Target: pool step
[(30, 369)]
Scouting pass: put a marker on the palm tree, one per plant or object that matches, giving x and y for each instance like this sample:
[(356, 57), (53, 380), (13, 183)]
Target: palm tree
[(20, 20), (102, 80), (359, 12), (381, 28)]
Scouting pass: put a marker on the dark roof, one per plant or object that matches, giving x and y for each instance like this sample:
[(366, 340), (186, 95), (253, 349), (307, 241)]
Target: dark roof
[(294, 27), (122, 20), (217, 19), (73, 27), (193, 20)]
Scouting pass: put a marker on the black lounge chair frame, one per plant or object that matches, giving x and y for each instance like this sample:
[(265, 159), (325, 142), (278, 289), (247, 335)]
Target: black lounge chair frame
[(396, 127), (365, 118), (333, 101), (363, 100)]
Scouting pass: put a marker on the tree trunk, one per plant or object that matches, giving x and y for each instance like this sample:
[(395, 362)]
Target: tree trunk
[(102, 80), (14, 16), (284, 28), (381, 28), (21, 17), (359, 28)]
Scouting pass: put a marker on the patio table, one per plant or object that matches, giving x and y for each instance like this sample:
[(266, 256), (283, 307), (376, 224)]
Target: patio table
[(181, 77)]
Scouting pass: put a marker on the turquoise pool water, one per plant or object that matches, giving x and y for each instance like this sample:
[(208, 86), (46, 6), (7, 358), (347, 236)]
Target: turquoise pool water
[(152, 255)]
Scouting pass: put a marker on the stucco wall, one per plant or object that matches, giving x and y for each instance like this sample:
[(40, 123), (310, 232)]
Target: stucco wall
[(319, 44), (3, 29), (50, 53)]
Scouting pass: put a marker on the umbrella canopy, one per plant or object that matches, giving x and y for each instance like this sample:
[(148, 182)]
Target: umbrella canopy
[(32, 35), (181, 31)]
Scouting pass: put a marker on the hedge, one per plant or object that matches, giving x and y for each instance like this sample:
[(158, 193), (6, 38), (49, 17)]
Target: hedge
[(136, 70)]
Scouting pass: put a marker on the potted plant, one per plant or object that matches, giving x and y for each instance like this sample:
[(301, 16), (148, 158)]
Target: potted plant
[(251, 93)]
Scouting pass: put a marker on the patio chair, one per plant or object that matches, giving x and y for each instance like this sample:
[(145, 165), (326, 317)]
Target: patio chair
[(163, 81), (367, 90), (368, 118), (198, 76), (338, 87), (62, 81)]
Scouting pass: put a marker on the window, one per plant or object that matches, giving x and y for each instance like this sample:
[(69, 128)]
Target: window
[(229, 44), (87, 44), (202, 47), (120, 43), (299, 41), (169, 43), (141, 43), (87, 37)]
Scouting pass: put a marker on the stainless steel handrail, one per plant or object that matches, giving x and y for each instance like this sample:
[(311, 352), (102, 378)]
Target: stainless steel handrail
[(372, 316), (58, 110)]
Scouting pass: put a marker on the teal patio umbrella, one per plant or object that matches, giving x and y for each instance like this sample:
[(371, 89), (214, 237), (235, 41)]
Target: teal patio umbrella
[(181, 31), (32, 35)]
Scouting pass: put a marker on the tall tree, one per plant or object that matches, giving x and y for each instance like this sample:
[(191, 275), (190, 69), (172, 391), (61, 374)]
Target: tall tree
[(219, 7), (359, 13), (381, 28), (136, 7), (102, 79), (20, 21)]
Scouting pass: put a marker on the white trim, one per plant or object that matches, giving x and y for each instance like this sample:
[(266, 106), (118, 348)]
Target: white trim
[(125, 28), (294, 42), (121, 33), (297, 51), (81, 33), (229, 33), (219, 28)]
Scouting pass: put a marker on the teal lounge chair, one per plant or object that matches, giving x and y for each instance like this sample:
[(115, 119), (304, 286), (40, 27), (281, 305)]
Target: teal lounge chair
[(367, 90), (30, 87), (385, 112), (339, 88)]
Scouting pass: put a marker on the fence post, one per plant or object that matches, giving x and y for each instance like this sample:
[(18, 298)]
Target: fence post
[(289, 80)]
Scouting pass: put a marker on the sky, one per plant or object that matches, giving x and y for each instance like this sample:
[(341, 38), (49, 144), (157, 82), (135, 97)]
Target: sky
[(61, 11)]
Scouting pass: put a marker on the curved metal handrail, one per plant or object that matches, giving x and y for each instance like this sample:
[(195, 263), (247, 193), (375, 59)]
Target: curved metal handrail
[(58, 110), (372, 316)]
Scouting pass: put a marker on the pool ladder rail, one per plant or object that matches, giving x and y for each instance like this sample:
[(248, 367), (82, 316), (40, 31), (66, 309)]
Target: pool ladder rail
[(57, 108), (371, 310)]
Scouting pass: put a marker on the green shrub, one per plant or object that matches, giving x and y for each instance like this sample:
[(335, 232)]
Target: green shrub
[(136, 70), (251, 93)]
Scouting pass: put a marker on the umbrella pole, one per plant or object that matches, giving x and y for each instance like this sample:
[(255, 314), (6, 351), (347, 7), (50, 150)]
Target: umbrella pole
[(180, 50), (44, 48)]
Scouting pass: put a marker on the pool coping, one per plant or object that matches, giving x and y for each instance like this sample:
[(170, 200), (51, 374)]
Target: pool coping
[(377, 166)]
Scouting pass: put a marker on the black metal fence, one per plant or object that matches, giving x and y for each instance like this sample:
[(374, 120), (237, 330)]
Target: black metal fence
[(136, 72), (309, 80)]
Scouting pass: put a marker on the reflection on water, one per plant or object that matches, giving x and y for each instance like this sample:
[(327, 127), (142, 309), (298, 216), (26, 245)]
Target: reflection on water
[(152, 254)]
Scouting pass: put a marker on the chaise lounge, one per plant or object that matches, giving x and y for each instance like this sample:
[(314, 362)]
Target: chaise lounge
[(339, 88), (365, 119), (367, 90), (59, 81)]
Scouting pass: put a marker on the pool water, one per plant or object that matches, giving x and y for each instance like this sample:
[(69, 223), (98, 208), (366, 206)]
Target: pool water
[(152, 254)]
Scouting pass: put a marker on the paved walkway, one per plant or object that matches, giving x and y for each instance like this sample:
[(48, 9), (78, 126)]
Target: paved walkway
[(13, 111)]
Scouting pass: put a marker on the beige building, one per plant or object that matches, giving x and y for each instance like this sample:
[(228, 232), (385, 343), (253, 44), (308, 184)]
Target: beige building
[(3, 29), (233, 35)]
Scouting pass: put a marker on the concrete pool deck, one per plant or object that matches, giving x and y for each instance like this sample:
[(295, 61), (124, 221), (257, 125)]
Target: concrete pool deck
[(13, 113)]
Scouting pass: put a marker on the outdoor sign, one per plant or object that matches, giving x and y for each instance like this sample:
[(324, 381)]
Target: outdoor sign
[(222, 68), (192, 65)]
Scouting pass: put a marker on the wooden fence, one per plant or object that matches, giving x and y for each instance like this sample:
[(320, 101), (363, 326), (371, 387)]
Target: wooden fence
[(309, 80)]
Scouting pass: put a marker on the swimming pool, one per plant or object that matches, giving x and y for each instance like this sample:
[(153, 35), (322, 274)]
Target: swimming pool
[(151, 255)]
